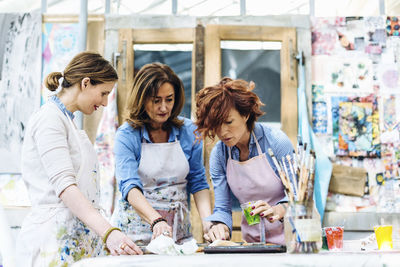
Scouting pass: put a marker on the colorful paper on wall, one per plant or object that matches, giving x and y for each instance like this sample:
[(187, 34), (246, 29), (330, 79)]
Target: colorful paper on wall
[(355, 129), (346, 74), (343, 74), (60, 45), (388, 76), (319, 118), (324, 35), (355, 126), (317, 93), (392, 26), (389, 112)]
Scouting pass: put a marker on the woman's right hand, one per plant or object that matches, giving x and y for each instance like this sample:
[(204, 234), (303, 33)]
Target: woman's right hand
[(161, 228), (119, 244), (217, 231)]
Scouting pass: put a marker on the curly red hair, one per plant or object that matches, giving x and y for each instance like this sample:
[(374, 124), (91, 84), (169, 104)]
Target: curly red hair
[(214, 103)]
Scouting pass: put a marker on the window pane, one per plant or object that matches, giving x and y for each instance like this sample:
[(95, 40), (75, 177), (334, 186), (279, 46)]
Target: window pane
[(258, 62)]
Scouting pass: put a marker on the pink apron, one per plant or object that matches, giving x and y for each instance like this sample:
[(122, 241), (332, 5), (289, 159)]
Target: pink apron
[(252, 180)]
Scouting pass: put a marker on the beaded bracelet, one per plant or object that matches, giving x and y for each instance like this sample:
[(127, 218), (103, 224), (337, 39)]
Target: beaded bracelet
[(159, 219), (108, 232)]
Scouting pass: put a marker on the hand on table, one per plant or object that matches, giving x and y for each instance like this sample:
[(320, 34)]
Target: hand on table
[(217, 231), (206, 226), (161, 228), (272, 213), (119, 244)]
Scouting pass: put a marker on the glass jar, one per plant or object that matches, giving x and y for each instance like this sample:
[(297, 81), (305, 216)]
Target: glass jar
[(302, 228)]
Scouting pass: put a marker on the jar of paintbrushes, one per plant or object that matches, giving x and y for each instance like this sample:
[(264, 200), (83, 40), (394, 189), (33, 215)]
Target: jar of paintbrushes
[(302, 222), (302, 228)]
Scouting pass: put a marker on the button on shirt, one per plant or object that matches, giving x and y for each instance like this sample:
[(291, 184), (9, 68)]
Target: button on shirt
[(267, 137), (128, 146)]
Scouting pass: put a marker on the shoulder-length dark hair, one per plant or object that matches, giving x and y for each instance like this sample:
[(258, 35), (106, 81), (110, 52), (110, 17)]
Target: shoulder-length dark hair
[(214, 103), (146, 84)]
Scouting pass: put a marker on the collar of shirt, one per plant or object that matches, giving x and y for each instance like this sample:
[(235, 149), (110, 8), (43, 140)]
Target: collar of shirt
[(258, 132), (61, 106), (173, 135)]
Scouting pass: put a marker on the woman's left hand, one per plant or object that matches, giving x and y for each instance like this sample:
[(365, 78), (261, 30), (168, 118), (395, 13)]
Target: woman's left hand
[(206, 226), (272, 213)]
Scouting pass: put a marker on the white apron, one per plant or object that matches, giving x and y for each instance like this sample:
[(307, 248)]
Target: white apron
[(163, 169), (252, 180), (51, 235)]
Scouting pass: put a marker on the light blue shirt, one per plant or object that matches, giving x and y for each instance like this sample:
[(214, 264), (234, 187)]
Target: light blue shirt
[(61, 106), (128, 146), (267, 137)]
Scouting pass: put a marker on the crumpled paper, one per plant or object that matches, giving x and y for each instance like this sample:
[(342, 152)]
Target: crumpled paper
[(165, 245), (369, 243)]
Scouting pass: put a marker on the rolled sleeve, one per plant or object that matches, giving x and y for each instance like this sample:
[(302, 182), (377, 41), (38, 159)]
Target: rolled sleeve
[(127, 157), (223, 203), (49, 134)]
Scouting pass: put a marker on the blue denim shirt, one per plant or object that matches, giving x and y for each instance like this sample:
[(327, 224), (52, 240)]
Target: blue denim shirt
[(61, 106), (267, 137), (128, 146)]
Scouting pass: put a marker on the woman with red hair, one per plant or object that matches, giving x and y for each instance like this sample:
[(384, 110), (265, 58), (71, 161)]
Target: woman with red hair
[(239, 163)]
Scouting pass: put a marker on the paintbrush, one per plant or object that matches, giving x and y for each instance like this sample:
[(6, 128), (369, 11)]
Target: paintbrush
[(280, 171), (310, 187), (293, 175), (287, 176)]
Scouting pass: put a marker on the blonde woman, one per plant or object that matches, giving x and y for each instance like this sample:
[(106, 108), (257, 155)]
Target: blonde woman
[(60, 169)]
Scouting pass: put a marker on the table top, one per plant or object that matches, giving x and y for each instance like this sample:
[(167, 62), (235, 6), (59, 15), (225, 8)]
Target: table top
[(324, 258)]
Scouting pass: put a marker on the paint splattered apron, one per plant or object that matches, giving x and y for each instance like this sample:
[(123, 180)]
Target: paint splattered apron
[(251, 180), (51, 235), (163, 169)]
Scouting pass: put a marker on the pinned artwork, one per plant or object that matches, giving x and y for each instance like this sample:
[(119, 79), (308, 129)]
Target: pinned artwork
[(324, 35), (388, 76), (317, 93), (348, 74), (355, 127), (389, 112), (60, 45), (319, 117), (375, 35), (392, 26), (343, 74)]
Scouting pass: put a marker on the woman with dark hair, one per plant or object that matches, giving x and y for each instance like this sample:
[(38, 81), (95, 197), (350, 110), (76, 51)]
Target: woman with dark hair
[(239, 162), (60, 169), (158, 161)]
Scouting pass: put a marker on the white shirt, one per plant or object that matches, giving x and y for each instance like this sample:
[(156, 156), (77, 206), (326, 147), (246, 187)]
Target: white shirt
[(50, 155)]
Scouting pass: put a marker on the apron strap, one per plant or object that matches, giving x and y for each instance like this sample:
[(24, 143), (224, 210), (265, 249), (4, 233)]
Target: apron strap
[(257, 144), (259, 151), (229, 153)]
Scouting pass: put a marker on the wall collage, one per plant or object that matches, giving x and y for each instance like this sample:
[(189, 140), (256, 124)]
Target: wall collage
[(356, 104)]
